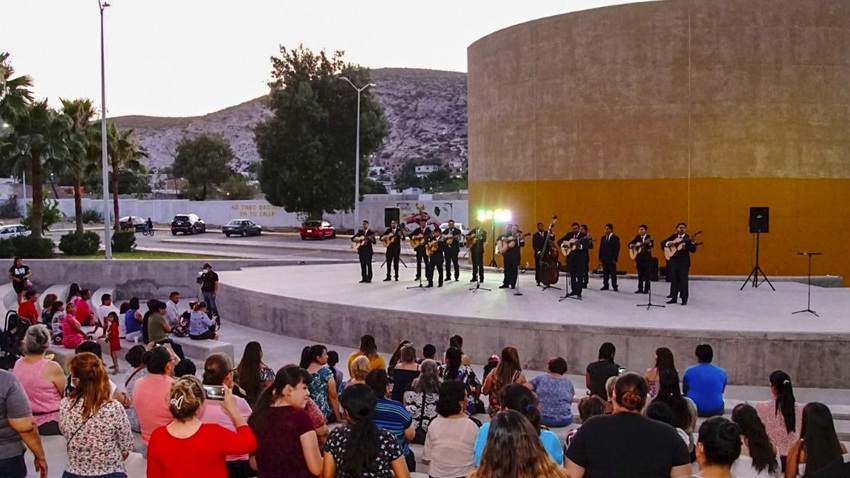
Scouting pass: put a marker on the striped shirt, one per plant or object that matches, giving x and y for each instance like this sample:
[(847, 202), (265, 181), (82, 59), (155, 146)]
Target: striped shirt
[(394, 418)]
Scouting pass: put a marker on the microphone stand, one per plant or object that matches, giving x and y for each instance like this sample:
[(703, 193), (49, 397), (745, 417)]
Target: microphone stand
[(809, 303), (649, 304), (519, 250)]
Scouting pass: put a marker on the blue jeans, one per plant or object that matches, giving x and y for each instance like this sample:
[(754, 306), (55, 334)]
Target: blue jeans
[(14, 467), (110, 475), (210, 300), (556, 422)]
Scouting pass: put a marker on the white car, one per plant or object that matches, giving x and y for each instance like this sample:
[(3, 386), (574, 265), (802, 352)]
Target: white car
[(458, 225), (13, 230)]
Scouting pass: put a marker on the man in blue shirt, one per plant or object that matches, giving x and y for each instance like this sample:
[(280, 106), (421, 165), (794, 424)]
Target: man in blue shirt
[(705, 383), (392, 416)]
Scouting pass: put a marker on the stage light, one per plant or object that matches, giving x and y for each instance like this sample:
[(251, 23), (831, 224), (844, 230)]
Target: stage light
[(502, 215), (482, 215)]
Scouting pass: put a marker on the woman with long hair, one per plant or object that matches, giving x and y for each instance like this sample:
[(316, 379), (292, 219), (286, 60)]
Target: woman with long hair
[(42, 379), (818, 446), (73, 293), (95, 426), (189, 447), (421, 400), (252, 374), (369, 349), (395, 357), (450, 443), (598, 372), (201, 325), (455, 369), (758, 456), (507, 372), (360, 449), (782, 416), (513, 450), (718, 447), (287, 443), (663, 361), (47, 310), (684, 409), (323, 386), (405, 372)]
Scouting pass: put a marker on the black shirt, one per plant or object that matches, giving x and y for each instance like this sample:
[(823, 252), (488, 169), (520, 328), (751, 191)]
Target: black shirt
[(208, 280), (600, 371), (402, 379), (19, 272)]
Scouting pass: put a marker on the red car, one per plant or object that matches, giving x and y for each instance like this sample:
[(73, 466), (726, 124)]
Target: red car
[(317, 230)]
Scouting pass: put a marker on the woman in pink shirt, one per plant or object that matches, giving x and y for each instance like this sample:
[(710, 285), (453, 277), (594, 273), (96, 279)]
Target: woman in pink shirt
[(150, 395), (42, 379), (782, 416), (72, 331)]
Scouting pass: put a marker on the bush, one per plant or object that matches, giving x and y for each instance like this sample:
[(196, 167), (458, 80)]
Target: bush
[(7, 248), (91, 216), (123, 241), (72, 244), (27, 247)]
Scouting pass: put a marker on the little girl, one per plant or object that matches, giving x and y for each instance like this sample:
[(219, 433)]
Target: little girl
[(114, 340)]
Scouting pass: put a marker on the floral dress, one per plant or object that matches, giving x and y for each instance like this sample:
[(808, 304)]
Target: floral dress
[(466, 376), (96, 445), (319, 391), (388, 451)]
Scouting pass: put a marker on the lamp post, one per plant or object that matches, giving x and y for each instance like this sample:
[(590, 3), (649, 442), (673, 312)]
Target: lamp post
[(107, 240), (357, 153)]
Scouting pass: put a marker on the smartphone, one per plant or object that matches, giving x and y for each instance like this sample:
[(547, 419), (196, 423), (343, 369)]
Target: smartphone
[(214, 392)]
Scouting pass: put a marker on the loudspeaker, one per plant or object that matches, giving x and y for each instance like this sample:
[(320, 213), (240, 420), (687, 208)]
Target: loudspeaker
[(759, 220), (391, 214)]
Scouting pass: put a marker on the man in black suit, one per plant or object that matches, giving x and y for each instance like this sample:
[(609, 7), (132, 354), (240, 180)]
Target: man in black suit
[(588, 245), (437, 257), (680, 264), (477, 251), (512, 257), (394, 249), (452, 251), (537, 244), (609, 254), (576, 261), (420, 232), (367, 237), (643, 259)]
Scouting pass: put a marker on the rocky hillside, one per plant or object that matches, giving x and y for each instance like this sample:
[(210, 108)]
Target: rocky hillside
[(426, 110)]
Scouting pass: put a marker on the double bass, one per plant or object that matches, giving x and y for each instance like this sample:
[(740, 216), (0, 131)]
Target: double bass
[(550, 267)]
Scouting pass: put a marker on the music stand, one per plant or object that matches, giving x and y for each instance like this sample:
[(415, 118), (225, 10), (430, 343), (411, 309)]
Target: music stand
[(809, 302)]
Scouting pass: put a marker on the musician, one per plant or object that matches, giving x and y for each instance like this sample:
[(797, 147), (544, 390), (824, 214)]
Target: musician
[(588, 243), (477, 251), (609, 254), (512, 256), (421, 257), (452, 251), (680, 264), (367, 236), (437, 257), (541, 237), (575, 261), (643, 259), (394, 249)]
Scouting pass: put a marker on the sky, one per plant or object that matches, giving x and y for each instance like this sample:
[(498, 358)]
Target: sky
[(192, 57)]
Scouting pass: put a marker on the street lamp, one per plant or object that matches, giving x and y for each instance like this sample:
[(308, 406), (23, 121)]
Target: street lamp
[(357, 154), (107, 240)]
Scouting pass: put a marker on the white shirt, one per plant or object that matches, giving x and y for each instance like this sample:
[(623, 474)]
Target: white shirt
[(171, 313)]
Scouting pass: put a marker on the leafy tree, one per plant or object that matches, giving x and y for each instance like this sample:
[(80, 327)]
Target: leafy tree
[(237, 187), (15, 92), (204, 161), (129, 182), (124, 154), (441, 180), (81, 162), (407, 177), (369, 186), (306, 146)]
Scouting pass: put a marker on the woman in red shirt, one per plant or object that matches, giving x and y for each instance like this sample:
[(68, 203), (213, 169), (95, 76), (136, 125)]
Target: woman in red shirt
[(188, 447)]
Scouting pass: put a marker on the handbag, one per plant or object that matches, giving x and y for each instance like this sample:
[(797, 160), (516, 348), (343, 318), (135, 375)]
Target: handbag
[(419, 439)]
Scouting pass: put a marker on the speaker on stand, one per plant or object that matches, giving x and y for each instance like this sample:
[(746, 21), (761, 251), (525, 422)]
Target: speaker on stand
[(759, 223)]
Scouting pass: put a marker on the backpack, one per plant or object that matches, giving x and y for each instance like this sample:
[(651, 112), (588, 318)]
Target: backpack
[(182, 327)]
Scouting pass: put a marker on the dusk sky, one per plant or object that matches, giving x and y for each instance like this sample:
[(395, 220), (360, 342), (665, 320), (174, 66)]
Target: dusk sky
[(192, 57)]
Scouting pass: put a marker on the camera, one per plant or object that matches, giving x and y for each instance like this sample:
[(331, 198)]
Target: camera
[(214, 392)]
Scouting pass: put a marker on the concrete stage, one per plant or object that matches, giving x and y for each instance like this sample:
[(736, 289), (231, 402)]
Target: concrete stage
[(753, 331)]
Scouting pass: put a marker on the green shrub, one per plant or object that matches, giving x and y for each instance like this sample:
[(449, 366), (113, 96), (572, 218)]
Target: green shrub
[(51, 214), (30, 247), (91, 216), (72, 244), (7, 249), (123, 241)]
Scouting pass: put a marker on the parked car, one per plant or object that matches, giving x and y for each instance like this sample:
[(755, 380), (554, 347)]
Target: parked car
[(132, 222), (242, 227), (13, 230), (187, 224), (317, 230), (458, 225)]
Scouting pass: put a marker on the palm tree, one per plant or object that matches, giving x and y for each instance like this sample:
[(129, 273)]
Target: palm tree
[(15, 93), (124, 154), (79, 162)]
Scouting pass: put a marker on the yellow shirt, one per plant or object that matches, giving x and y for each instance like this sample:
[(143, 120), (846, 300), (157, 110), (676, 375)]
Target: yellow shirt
[(375, 362)]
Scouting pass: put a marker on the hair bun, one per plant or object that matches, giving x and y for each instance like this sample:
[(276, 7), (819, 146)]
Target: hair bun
[(729, 432)]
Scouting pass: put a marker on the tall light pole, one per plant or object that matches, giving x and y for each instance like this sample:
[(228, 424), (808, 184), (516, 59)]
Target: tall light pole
[(357, 154), (107, 240)]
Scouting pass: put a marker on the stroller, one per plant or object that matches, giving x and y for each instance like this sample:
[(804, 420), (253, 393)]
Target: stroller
[(10, 339)]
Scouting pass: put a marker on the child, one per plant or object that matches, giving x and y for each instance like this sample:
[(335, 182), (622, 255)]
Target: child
[(59, 316), (114, 340)]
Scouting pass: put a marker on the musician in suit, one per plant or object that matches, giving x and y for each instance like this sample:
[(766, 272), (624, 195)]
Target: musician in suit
[(477, 252), (394, 249), (609, 254), (367, 237), (643, 259), (575, 261), (537, 243), (421, 257), (512, 256), (437, 258), (588, 243), (452, 251), (680, 264)]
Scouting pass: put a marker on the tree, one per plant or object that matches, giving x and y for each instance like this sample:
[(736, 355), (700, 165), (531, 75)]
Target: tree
[(407, 177), (81, 162), (15, 92), (370, 186), (307, 145), (124, 154), (203, 161)]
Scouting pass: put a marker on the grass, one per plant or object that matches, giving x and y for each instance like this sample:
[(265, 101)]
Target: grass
[(149, 255)]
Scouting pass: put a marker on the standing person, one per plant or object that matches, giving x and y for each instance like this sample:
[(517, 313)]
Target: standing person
[(758, 455), (189, 447), (556, 393), (450, 442), (209, 288), (27, 309), (609, 254), (643, 260), (150, 395), (507, 372), (17, 427), (597, 373), (818, 446), (435, 260), (369, 348), (477, 251), (42, 379), (323, 385), (133, 320), (94, 424), (679, 264), (201, 326), (452, 251), (395, 236), (365, 238), (392, 416), (575, 264), (585, 251), (512, 256), (541, 237), (663, 361), (782, 416), (705, 383), (418, 236), (252, 374), (20, 274), (719, 447), (103, 311), (172, 315)]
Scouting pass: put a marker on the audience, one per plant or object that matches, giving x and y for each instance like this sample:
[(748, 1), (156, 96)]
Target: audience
[(134, 357), (323, 386), (405, 372), (683, 408), (661, 412), (600, 371), (150, 395), (360, 369), (17, 428), (719, 446), (189, 447), (587, 407), (663, 361), (369, 349), (57, 316), (333, 360), (609, 391), (556, 393), (185, 367), (72, 331), (252, 374), (454, 369), (394, 358), (133, 320), (705, 383), (818, 446), (158, 328), (782, 416), (95, 426), (507, 372), (85, 316), (42, 379), (201, 325), (172, 314), (104, 309), (450, 442), (429, 352), (287, 444), (28, 310), (47, 310), (421, 400), (95, 348), (758, 456), (392, 416), (73, 294)]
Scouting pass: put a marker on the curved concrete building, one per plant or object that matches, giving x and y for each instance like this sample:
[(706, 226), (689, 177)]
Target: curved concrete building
[(679, 110)]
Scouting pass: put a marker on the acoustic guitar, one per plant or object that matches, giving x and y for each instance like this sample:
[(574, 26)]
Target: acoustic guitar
[(506, 243), (389, 239), (432, 247), (417, 240), (678, 244), (471, 240), (567, 247), (637, 248), (358, 242)]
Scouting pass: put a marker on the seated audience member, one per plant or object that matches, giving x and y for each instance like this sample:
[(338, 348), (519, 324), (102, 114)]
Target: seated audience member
[(17, 428), (518, 398), (172, 314), (627, 443), (73, 294), (252, 375), (85, 316), (507, 372), (150, 396), (450, 442), (287, 444), (218, 370), (369, 349), (158, 328), (683, 408), (189, 447), (134, 358), (609, 389), (782, 416), (600, 371), (201, 326), (28, 310), (454, 369), (392, 416), (42, 379), (661, 412), (555, 392), (587, 407), (359, 448), (421, 399), (100, 449), (514, 451), (405, 372), (429, 352), (491, 365), (718, 447), (705, 383), (72, 331), (818, 447), (323, 386), (47, 309), (133, 320), (759, 457), (185, 367), (94, 347), (360, 369), (395, 357), (333, 360), (663, 361), (57, 316)]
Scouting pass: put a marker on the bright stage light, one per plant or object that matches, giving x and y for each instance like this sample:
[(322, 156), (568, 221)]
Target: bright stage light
[(482, 215), (502, 215)]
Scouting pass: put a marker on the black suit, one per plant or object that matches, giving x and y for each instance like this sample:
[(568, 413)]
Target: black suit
[(609, 254), (576, 262), (420, 251), (435, 262), (452, 253), (365, 254), (512, 259), (394, 250), (644, 261), (678, 268), (588, 245), (477, 252), (537, 243)]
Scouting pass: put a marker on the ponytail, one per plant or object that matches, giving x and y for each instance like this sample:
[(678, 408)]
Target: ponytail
[(290, 375), (785, 401)]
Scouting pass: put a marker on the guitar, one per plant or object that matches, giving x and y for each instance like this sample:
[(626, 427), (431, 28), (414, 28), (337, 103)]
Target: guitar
[(637, 248), (358, 242), (472, 239), (450, 239), (567, 247), (678, 244), (506, 243), (432, 247), (389, 239), (417, 240)]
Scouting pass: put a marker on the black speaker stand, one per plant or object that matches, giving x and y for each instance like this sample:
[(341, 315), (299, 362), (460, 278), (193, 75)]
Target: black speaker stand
[(754, 274), (809, 302)]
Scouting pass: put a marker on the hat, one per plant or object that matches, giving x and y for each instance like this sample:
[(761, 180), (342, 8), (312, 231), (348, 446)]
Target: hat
[(207, 265)]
